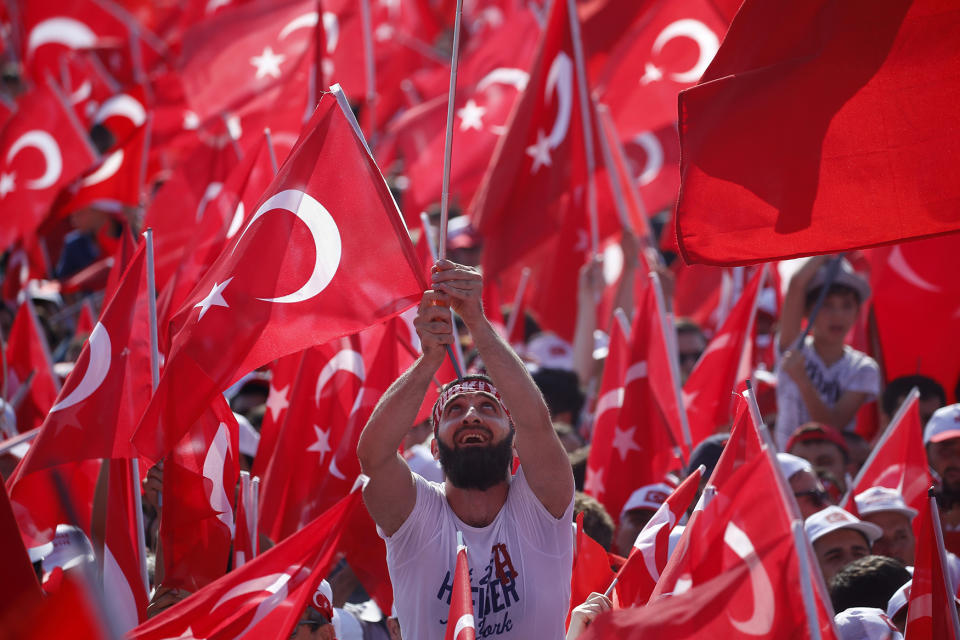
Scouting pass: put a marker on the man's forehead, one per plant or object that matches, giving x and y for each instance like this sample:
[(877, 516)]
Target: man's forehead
[(469, 392)]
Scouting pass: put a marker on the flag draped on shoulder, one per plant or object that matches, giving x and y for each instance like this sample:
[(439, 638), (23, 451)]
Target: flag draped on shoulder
[(324, 254), (817, 129)]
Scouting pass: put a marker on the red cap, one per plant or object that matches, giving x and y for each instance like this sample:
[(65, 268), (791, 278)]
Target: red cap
[(813, 431)]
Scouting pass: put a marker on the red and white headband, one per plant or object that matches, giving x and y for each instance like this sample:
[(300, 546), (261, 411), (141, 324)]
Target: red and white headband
[(465, 386)]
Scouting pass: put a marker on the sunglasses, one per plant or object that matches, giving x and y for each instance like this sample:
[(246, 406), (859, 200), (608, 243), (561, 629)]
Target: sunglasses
[(314, 625), (692, 356), (818, 497)]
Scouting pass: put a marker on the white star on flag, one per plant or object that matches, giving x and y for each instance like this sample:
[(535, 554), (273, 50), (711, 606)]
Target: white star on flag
[(651, 73), (594, 482), (268, 63), (540, 152), (624, 442), (322, 445), (6, 183), (471, 115), (214, 298), (277, 401)]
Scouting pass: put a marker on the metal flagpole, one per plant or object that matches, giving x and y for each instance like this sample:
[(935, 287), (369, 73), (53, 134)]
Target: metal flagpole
[(587, 129), (273, 154), (448, 138)]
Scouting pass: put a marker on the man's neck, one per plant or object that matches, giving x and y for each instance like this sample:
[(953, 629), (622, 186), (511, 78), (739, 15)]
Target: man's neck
[(828, 352), (477, 508)]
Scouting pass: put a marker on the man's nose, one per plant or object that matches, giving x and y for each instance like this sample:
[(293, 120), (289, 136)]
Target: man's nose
[(471, 415)]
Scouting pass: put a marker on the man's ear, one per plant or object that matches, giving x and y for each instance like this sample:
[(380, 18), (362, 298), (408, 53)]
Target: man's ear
[(434, 449)]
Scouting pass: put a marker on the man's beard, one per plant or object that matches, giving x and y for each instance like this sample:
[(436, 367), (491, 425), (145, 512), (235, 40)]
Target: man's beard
[(949, 494), (476, 467)]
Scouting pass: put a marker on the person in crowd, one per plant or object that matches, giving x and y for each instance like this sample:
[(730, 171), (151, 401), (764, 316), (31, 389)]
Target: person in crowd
[(885, 508), (597, 523), (824, 448), (932, 396), (691, 343), (516, 528), (637, 511), (838, 538), (561, 392), (858, 450), (865, 623), (823, 379), (316, 622), (941, 437), (867, 582), (807, 489)]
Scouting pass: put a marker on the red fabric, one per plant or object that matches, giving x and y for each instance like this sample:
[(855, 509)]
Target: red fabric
[(591, 568), (745, 525), (124, 114), (264, 598), (246, 312), (930, 601), (822, 135), (708, 393), (123, 586), (244, 546), (72, 604), (898, 462), (199, 485), (85, 319), (651, 550), (26, 262), (39, 499), (28, 352), (283, 374), (86, 84), (42, 149), (19, 588), (910, 282), (540, 161), (366, 553), (461, 602), (103, 397)]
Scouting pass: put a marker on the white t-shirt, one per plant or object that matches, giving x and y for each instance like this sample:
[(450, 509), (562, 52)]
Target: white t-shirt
[(520, 566), (855, 371)]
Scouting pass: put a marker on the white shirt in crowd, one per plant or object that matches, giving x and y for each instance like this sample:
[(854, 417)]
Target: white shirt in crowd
[(519, 566), (855, 371)]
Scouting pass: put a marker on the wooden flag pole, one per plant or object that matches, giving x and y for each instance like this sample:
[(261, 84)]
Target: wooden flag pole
[(448, 138)]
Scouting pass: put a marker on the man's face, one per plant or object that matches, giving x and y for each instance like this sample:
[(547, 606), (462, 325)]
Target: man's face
[(690, 347), (926, 407), (836, 317), (944, 458), (631, 524), (810, 494), (897, 541), (474, 441), (822, 455), (839, 548)]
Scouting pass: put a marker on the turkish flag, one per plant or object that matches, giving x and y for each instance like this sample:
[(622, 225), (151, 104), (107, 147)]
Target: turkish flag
[(540, 162), (245, 545), (19, 588), (85, 321), (898, 461), (103, 397), (199, 484), (72, 605), (86, 83), (124, 114), (124, 590), (231, 57), (29, 362), (931, 609), (264, 598), (728, 359), (247, 311), (638, 576), (591, 568), (911, 276), (744, 529), (27, 261), (460, 621), (283, 375), (42, 149), (824, 135)]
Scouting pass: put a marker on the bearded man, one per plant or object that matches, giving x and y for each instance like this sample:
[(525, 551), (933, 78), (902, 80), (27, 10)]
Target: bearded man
[(516, 527)]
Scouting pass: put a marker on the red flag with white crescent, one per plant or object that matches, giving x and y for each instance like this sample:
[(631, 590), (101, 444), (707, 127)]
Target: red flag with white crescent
[(460, 623)]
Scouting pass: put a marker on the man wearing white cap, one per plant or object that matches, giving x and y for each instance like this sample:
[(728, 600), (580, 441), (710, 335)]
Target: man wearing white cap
[(806, 486), (637, 511), (865, 623), (941, 437), (516, 528), (885, 508), (838, 538), (316, 623)]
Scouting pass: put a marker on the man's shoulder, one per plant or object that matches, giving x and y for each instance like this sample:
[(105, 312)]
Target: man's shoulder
[(858, 360)]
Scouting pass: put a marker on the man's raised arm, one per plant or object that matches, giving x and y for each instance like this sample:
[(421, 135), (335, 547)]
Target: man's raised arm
[(545, 463), (390, 495)]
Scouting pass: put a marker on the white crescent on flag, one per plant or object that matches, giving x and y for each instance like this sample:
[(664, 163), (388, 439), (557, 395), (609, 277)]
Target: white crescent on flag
[(45, 144), (764, 608), (345, 360), (97, 368), (706, 40), (60, 30)]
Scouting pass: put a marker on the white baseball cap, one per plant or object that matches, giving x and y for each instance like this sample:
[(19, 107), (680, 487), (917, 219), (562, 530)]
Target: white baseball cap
[(791, 464), (833, 518), (865, 623), (876, 499), (649, 497), (944, 424), (899, 599)]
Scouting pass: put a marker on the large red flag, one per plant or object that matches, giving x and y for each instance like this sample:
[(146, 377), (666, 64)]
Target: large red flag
[(283, 375), (264, 598), (199, 485), (591, 567), (29, 363), (460, 623), (817, 129), (19, 587), (123, 582), (42, 149), (932, 611), (897, 461), (728, 359), (102, 398), (247, 310), (651, 550)]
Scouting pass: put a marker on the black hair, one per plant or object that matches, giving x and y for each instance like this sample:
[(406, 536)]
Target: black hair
[(835, 289), (900, 387), (688, 325), (597, 522), (561, 391), (869, 581)]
